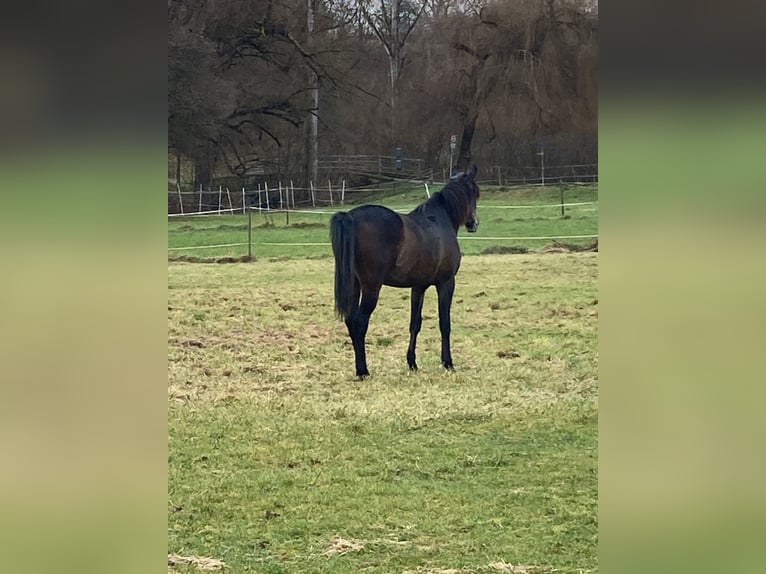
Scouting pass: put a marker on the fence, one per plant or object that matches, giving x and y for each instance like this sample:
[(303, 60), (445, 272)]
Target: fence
[(373, 165), (553, 212), (275, 197), (285, 195), (541, 174)]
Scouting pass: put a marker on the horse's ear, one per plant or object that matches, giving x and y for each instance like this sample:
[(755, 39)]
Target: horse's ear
[(472, 173)]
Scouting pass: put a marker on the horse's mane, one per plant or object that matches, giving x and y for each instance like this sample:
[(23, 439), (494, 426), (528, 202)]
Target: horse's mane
[(454, 198)]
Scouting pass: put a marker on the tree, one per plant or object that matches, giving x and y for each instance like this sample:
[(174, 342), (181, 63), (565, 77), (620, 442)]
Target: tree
[(392, 22)]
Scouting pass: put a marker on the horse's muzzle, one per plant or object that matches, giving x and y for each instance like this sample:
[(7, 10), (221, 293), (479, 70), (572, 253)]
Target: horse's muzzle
[(472, 226)]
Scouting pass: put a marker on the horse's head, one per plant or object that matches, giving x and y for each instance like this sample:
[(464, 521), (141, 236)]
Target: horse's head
[(472, 219)]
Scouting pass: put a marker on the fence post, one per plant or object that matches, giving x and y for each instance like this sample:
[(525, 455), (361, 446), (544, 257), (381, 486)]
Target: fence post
[(249, 233), (428, 193), (561, 195), (329, 186), (220, 198), (313, 199), (243, 200), (200, 199), (180, 198), (292, 192), (343, 193), (266, 187), (231, 206), (280, 195), (287, 205)]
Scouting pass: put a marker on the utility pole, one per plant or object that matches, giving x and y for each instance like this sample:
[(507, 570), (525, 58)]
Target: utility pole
[(313, 144)]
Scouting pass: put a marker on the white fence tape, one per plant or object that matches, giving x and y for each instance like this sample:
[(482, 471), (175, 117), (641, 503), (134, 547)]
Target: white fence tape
[(206, 246)]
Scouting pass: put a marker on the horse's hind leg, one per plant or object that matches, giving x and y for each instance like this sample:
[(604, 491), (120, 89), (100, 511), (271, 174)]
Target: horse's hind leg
[(359, 326), (416, 320), (350, 318), (445, 291)]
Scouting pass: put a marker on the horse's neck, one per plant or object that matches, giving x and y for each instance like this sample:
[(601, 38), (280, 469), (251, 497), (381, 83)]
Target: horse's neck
[(442, 204)]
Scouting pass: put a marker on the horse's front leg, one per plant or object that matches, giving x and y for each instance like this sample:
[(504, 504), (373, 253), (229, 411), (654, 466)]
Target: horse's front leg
[(416, 321), (445, 291)]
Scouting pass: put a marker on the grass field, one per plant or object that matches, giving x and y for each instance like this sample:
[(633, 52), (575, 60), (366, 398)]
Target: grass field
[(280, 461), (499, 212)]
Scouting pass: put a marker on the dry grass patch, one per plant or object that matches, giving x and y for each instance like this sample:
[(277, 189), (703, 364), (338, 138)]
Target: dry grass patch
[(517, 568), (198, 562), (339, 546)]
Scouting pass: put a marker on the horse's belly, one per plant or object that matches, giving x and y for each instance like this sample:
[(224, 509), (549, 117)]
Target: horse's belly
[(420, 273), (402, 277)]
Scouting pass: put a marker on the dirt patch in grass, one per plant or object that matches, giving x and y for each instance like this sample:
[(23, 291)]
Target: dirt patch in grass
[(224, 259), (190, 343), (308, 225), (562, 247), (502, 249), (555, 247)]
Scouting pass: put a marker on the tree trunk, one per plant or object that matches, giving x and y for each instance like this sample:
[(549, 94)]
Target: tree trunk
[(202, 172), (394, 97), (395, 62), (464, 154)]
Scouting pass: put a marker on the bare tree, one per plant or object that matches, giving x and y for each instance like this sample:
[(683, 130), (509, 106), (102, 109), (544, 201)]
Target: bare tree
[(392, 21)]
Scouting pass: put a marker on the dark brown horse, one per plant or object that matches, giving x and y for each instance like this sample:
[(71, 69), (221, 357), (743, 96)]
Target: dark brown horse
[(375, 246)]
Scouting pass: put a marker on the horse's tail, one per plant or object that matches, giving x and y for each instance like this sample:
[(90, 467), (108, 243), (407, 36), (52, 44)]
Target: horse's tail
[(342, 238)]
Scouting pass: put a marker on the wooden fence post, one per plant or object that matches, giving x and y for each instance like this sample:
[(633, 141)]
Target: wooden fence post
[(249, 234)]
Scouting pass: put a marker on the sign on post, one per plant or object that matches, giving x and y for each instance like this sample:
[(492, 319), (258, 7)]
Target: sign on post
[(452, 144)]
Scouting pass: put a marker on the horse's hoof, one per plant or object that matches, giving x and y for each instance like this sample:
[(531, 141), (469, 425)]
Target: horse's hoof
[(413, 367), (449, 366), (362, 376)]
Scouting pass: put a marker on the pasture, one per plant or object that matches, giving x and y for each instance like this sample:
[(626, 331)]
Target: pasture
[(280, 461), (515, 212)]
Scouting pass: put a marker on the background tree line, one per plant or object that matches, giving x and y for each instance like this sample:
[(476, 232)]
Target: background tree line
[(248, 78)]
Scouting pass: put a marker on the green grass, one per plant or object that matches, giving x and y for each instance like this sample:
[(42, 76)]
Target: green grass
[(306, 235), (276, 451)]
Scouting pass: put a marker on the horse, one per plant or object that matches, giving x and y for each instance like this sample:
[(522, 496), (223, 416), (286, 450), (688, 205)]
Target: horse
[(375, 246)]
